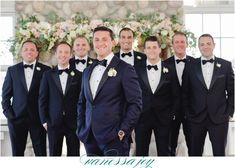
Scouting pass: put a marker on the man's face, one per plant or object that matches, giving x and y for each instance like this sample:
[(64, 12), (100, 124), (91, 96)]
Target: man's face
[(102, 43), (81, 47), (206, 46), (152, 50), (126, 40), (29, 52), (63, 54), (180, 45)]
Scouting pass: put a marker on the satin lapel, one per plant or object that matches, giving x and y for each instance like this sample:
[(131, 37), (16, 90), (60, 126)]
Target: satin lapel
[(35, 76), (87, 85), (68, 84), (198, 71), (174, 68), (144, 75), (89, 61), (112, 64), (56, 79), (215, 73), (162, 79), (22, 75)]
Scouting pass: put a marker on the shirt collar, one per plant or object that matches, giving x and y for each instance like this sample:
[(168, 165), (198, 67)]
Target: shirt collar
[(77, 57), (34, 62), (59, 67), (176, 58), (132, 52), (158, 63), (109, 58), (204, 58)]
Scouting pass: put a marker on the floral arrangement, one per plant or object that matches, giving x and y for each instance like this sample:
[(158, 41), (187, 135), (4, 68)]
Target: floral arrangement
[(46, 34)]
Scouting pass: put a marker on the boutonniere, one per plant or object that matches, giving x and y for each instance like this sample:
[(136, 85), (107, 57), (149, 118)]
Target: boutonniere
[(165, 70), (90, 62), (218, 65), (72, 73), (139, 57), (38, 68), (112, 72)]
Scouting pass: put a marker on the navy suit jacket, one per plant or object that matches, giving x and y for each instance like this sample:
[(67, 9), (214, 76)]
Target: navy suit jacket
[(171, 62), (24, 102), (116, 106), (163, 103), (138, 56), (54, 106), (217, 101), (73, 64)]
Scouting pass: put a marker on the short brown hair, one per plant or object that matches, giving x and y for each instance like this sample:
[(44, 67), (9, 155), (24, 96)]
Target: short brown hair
[(152, 38), (103, 28), (206, 35), (30, 41), (126, 29), (179, 33)]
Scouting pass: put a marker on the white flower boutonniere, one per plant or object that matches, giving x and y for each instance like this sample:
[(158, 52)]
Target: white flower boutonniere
[(38, 68), (72, 73), (90, 62), (218, 65), (139, 57), (165, 70), (112, 72)]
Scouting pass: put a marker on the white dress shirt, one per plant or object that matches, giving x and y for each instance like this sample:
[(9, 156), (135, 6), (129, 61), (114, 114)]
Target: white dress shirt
[(207, 71), (179, 68), (28, 72), (128, 59), (80, 66), (97, 74), (153, 75), (63, 78)]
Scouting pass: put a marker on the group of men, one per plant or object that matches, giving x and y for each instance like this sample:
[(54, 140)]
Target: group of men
[(101, 101)]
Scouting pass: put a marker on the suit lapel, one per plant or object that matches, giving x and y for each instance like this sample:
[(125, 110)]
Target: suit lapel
[(215, 73), (198, 72), (56, 79), (68, 83), (89, 61), (35, 76), (112, 64), (144, 75), (22, 75), (87, 85), (137, 58), (162, 79)]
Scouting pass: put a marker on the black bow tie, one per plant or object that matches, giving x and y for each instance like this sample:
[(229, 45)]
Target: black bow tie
[(102, 62), (83, 61), (205, 61), (124, 54), (180, 60), (28, 66), (152, 66), (60, 71)]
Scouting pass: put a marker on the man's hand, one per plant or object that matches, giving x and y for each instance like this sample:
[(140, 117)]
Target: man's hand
[(121, 135), (45, 126)]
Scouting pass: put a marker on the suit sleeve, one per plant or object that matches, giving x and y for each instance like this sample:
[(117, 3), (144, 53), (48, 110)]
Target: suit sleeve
[(230, 90), (133, 96), (43, 99), (7, 93)]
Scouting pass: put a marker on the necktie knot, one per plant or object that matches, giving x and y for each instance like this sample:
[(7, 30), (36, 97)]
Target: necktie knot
[(60, 71), (205, 61), (152, 66), (83, 61), (180, 60), (102, 62), (28, 66), (126, 54)]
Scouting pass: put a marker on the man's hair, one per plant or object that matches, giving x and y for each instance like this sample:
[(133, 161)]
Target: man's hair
[(126, 29), (151, 38), (103, 28), (63, 42), (82, 37), (30, 41), (206, 35), (179, 33)]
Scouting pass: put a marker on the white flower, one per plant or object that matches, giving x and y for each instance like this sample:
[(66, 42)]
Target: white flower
[(112, 72), (72, 73), (165, 70), (218, 65), (138, 57), (38, 68), (90, 62)]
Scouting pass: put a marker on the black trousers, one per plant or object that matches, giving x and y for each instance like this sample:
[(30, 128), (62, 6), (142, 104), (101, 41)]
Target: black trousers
[(18, 130), (217, 135)]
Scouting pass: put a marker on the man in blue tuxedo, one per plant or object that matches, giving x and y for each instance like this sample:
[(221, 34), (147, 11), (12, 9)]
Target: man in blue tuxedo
[(110, 101), (179, 62), (22, 84), (81, 59), (208, 98), (126, 53), (58, 97), (160, 100)]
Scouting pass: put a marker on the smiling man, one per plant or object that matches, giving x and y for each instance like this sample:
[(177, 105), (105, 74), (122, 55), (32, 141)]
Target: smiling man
[(110, 101)]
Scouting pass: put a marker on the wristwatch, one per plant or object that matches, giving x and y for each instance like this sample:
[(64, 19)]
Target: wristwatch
[(121, 134)]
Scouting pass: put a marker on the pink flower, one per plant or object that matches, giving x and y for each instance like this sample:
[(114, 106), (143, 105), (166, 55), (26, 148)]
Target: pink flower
[(95, 23)]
